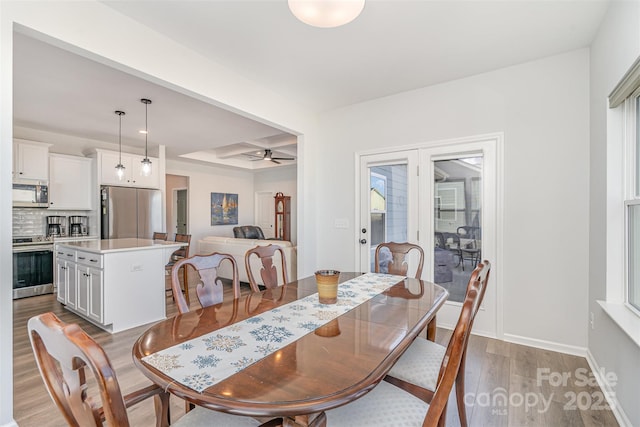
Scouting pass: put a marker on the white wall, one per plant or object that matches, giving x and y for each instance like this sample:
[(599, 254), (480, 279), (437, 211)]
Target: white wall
[(615, 48), (204, 180), (542, 108)]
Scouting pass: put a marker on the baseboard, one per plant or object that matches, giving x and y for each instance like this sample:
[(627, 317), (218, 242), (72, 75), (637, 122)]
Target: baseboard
[(609, 394), (546, 345), (12, 423)]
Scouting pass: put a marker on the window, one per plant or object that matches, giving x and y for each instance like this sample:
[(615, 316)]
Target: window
[(632, 202), (622, 196)]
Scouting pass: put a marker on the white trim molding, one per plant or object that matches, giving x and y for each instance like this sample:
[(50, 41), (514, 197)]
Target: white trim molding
[(607, 390), (627, 85)]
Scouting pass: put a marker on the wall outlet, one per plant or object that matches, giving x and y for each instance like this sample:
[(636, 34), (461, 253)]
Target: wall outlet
[(592, 321)]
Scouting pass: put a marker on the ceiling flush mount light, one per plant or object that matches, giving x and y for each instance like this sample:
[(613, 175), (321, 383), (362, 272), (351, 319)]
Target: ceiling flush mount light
[(120, 167), (146, 163), (326, 13)]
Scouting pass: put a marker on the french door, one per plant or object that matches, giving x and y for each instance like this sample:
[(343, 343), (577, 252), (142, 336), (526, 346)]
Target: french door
[(444, 198), (388, 203)]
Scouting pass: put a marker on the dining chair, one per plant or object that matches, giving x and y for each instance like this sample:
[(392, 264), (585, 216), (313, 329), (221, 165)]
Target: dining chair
[(210, 289), (181, 253), (418, 368), (470, 250), (396, 263), (63, 351), (387, 404), (268, 271), (159, 236)]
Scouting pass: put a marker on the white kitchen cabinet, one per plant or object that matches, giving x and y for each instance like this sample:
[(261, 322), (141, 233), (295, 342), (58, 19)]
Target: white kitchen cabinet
[(70, 183), (30, 160), (61, 279), (119, 283), (96, 294), (133, 166), (65, 276), (89, 285)]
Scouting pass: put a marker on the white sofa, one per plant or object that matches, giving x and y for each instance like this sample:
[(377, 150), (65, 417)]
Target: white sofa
[(239, 247)]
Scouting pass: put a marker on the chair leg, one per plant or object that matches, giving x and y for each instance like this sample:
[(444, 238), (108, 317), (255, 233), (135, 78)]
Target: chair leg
[(431, 330), (462, 410)]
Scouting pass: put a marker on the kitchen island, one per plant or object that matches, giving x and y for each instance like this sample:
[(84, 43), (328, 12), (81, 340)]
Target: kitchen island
[(116, 284)]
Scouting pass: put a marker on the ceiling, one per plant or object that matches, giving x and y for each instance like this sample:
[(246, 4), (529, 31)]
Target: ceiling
[(393, 46)]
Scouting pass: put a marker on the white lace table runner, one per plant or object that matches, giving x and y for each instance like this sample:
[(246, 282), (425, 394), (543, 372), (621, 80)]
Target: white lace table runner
[(201, 362)]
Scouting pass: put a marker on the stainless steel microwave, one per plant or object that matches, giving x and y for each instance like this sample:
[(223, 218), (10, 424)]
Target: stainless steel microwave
[(30, 195)]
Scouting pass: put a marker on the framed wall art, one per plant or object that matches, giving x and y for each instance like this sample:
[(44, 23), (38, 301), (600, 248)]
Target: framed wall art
[(224, 208)]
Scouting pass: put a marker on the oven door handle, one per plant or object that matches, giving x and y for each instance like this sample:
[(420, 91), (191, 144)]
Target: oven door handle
[(33, 248)]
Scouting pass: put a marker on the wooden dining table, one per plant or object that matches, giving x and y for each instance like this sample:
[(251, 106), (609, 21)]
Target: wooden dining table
[(336, 363)]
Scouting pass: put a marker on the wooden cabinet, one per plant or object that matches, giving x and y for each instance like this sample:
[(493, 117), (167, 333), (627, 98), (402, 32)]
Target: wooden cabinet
[(30, 160), (133, 168), (283, 217), (70, 183)]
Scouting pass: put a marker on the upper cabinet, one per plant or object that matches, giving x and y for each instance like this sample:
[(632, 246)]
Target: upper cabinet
[(70, 182), (133, 168), (30, 160)]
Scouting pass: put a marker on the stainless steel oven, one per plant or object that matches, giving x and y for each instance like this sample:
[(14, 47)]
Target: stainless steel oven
[(32, 267)]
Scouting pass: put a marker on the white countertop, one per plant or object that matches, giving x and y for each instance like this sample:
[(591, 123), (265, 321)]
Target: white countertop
[(121, 245)]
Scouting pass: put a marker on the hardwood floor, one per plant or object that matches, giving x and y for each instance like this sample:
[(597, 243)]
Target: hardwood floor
[(505, 383)]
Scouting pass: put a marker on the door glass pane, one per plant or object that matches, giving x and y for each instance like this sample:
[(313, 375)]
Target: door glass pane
[(457, 223), (389, 211)]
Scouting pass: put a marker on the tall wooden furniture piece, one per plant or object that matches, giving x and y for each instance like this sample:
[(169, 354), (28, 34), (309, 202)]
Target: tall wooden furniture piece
[(387, 404), (159, 236), (268, 271), (210, 290), (283, 217), (181, 253), (62, 352), (417, 369)]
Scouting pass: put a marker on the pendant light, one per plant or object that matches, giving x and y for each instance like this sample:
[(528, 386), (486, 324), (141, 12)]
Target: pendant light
[(146, 163), (120, 167)]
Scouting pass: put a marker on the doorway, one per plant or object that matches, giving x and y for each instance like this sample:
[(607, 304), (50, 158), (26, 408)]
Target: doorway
[(177, 190), (388, 203), (181, 211), (445, 198)]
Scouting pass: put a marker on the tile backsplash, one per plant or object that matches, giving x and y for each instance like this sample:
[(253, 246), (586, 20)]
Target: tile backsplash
[(33, 222)]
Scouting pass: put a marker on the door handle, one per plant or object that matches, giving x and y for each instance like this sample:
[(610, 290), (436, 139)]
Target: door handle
[(363, 241)]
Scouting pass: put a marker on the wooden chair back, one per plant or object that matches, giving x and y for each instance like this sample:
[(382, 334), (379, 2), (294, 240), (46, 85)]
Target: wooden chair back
[(453, 357), (183, 252), (62, 352), (268, 271), (159, 236), (210, 290), (398, 262)]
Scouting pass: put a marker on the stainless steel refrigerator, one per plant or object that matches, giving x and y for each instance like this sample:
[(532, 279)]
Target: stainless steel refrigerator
[(130, 212)]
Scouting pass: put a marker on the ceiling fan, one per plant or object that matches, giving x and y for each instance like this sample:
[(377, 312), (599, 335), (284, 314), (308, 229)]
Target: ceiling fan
[(268, 155)]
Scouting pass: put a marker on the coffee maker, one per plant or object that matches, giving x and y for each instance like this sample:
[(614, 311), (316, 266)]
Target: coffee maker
[(78, 226), (56, 226)]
